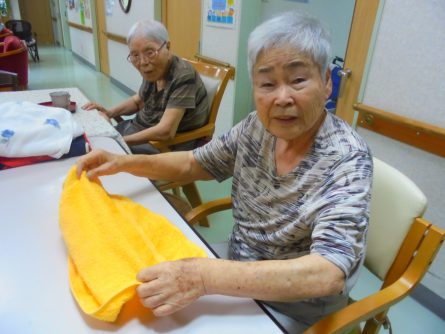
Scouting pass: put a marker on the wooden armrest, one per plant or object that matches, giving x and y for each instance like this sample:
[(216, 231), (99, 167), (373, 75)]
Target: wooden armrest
[(205, 209), (205, 131), (362, 310), (378, 303), (167, 185)]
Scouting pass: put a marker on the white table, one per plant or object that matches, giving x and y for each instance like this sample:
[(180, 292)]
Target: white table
[(93, 124), (34, 290)]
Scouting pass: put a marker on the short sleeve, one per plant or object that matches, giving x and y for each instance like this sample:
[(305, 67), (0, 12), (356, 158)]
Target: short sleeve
[(218, 157), (183, 94), (342, 212)]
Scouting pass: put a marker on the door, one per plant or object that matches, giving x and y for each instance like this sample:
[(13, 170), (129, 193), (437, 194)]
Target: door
[(38, 13), (183, 22), (365, 12)]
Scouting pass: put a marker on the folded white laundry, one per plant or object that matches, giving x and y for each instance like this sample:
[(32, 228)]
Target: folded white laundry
[(28, 129)]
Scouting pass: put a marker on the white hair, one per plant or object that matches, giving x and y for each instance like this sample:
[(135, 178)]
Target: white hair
[(149, 29), (299, 30)]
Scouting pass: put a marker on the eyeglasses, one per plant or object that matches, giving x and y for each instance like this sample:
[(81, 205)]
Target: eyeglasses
[(147, 54)]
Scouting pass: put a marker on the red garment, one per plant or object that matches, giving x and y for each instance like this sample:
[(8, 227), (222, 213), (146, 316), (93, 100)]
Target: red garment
[(14, 58), (5, 32)]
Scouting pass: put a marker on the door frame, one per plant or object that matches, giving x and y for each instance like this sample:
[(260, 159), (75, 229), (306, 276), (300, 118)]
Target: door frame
[(101, 37), (64, 24), (165, 6), (360, 36)]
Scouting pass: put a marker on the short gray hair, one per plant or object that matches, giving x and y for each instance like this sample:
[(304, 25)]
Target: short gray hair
[(296, 29), (149, 29)]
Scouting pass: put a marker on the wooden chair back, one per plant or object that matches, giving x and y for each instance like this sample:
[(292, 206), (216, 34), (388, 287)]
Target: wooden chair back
[(215, 79)]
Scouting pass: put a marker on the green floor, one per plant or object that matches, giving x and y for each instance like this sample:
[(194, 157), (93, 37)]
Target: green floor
[(58, 68)]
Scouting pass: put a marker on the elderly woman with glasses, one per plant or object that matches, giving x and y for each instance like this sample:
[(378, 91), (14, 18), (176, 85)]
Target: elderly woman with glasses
[(171, 99), (301, 180)]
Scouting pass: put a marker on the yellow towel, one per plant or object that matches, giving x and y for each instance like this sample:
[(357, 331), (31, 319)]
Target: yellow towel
[(109, 239)]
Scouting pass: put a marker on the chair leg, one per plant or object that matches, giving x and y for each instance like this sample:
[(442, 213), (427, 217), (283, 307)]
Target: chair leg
[(191, 192), (37, 53), (32, 53)]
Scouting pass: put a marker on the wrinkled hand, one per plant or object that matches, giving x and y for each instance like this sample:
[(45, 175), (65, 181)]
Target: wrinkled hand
[(93, 105), (102, 111), (97, 163), (170, 286)]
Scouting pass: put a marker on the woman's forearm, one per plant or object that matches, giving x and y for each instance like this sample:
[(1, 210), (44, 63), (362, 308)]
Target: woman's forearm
[(172, 166), (272, 280)]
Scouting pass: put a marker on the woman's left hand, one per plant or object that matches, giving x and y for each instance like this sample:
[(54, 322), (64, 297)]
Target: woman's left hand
[(171, 286)]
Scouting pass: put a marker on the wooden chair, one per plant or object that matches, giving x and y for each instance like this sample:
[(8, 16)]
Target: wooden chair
[(215, 79), (8, 81), (400, 247)]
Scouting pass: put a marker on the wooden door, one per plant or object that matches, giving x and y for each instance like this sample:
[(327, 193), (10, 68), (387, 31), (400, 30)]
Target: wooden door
[(362, 26), (102, 37), (38, 13), (183, 21)]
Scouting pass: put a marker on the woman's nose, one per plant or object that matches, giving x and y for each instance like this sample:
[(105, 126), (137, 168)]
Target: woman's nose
[(283, 96), (144, 61)]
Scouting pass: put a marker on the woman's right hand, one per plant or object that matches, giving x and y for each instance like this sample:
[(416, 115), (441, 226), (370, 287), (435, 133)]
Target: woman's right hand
[(98, 163), (103, 111)]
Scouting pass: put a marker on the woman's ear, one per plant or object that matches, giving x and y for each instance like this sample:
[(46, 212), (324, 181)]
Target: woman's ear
[(328, 83)]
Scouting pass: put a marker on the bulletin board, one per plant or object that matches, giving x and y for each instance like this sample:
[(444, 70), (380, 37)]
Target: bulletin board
[(79, 12)]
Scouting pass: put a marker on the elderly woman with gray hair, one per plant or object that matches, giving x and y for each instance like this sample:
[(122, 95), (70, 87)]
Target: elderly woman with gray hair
[(171, 99), (301, 188)]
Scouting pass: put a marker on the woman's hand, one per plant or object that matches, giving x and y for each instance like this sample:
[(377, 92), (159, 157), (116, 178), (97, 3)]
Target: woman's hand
[(103, 111), (98, 163), (171, 286)]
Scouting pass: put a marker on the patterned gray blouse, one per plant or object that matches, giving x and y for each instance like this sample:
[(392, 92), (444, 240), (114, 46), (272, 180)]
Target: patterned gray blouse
[(321, 206)]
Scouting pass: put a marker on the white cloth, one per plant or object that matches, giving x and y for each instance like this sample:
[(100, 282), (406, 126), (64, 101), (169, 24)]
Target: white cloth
[(28, 129)]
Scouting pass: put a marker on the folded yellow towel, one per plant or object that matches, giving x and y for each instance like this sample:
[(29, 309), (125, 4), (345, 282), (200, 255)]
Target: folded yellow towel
[(109, 239)]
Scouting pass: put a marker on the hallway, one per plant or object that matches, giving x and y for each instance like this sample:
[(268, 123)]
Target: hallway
[(58, 68)]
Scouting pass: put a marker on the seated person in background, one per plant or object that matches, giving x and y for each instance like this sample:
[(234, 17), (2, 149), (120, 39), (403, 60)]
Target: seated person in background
[(300, 192), (172, 97)]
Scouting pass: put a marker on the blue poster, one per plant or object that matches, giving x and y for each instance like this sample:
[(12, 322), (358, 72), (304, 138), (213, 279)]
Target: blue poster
[(221, 13)]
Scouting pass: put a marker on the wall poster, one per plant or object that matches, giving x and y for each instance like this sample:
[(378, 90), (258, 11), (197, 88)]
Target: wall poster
[(220, 13)]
